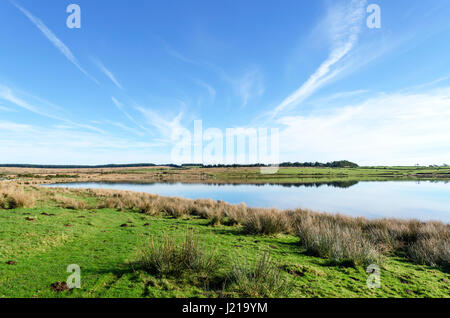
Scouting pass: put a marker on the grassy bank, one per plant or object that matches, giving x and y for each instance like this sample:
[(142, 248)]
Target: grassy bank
[(119, 240)]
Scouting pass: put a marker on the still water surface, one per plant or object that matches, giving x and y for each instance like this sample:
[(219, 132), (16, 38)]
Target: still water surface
[(424, 200)]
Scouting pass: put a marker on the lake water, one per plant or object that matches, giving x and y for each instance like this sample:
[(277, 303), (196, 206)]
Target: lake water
[(424, 200)]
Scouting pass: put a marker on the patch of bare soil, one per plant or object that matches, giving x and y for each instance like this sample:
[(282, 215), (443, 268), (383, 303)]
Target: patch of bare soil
[(59, 287)]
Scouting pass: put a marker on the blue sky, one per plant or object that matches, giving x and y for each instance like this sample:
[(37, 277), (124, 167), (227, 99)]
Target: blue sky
[(116, 90)]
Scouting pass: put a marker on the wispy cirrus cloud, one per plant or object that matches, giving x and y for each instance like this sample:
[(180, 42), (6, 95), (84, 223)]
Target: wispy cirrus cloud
[(211, 90), (64, 144), (125, 128), (169, 129), (22, 100), (108, 73), (7, 94), (7, 126), (174, 53), (54, 40), (344, 23), (5, 109), (250, 85), (121, 107)]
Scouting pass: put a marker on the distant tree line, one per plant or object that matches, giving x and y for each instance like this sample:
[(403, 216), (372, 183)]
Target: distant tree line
[(75, 166), (333, 164)]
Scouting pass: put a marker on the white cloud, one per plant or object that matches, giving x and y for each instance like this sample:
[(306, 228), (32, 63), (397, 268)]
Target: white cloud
[(250, 85), (5, 109), (7, 94), (108, 73), (209, 88), (64, 144), (385, 129), (344, 24), (6, 126), (121, 108), (54, 40), (126, 128), (169, 129), (18, 98), (174, 53)]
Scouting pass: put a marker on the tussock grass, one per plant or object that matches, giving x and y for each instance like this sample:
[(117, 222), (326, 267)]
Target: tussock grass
[(329, 237), (431, 249), (13, 196), (263, 279), (174, 258), (268, 222), (421, 242), (70, 203)]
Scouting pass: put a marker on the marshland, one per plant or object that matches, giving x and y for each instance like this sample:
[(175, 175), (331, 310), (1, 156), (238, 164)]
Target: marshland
[(136, 244)]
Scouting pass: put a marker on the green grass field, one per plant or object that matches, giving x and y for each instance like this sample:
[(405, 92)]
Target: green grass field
[(41, 246)]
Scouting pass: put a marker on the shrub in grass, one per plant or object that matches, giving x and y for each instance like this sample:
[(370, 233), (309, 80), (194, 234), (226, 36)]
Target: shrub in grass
[(216, 219), (174, 258), (203, 211), (263, 279), (235, 214), (422, 242), (431, 250), (71, 203), (267, 222), (150, 207), (16, 199), (172, 210), (112, 203), (340, 243)]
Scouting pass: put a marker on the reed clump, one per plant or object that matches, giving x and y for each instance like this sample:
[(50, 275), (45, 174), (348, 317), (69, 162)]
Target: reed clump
[(266, 221), (70, 203), (13, 196), (262, 279), (341, 242), (174, 258)]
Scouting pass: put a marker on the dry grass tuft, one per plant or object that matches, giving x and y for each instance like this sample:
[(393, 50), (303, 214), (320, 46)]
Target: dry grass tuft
[(266, 221), (174, 258), (13, 196), (263, 279), (70, 203), (343, 243)]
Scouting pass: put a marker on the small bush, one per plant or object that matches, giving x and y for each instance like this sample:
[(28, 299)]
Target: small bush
[(216, 219), (432, 251), (267, 222), (173, 258), (263, 279), (17, 199), (71, 203), (175, 210), (149, 207), (341, 243), (235, 213)]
